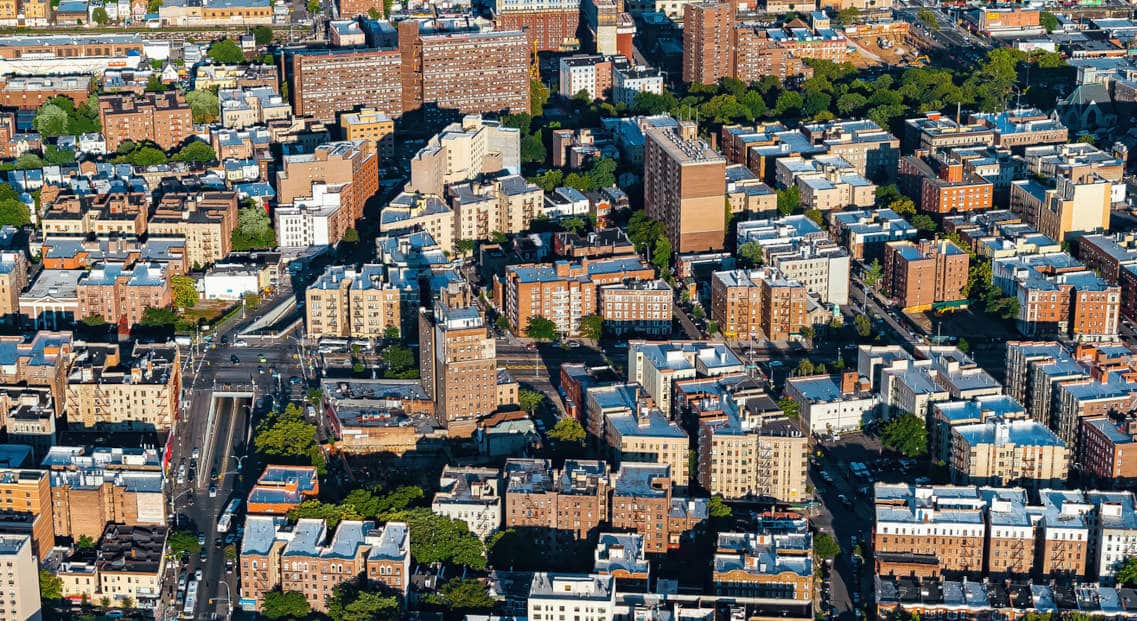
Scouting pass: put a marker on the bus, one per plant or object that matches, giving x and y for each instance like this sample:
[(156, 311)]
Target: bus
[(226, 521), (191, 600)]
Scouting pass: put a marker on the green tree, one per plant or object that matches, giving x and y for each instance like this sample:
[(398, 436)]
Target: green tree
[(874, 273), (196, 151), (789, 200), (923, 222), (850, 15), (549, 180), (1048, 20), (863, 325), (351, 235), (254, 230), (439, 539), (928, 18), (204, 104), (54, 155), (465, 594), (330, 513), (289, 436), (751, 254), (226, 52), (398, 358), (185, 291), (789, 103), (50, 120), (825, 546), (50, 586), (153, 317), (529, 399), (285, 605), (567, 430), (718, 509), (352, 601), (790, 407), (574, 225), (14, 213), (652, 104), (815, 215), (533, 150), (182, 542), (592, 327), (262, 35), (85, 543), (154, 84), (541, 328), (538, 96), (806, 332), (1127, 573), (906, 434), (805, 367), (661, 256), (99, 16), (963, 345)]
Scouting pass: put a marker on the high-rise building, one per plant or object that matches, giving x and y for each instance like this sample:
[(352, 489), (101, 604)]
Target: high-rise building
[(464, 151), (707, 47), (25, 498), (550, 25), (685, 187), (349, 162), (459, 365), (326, 82), (920, 275), (18, 569)]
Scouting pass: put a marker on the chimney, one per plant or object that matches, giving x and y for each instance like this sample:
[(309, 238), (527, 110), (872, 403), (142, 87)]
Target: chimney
[(848, 382)]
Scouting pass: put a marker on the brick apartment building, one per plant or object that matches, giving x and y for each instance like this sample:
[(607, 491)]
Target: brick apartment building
[(636, 307), (555, 507), (459, 366), (323, 82), (685, 187), (91, 488), (920, 275), (162, 118), (550, 25), (1107, 449), (120, 295), (939, 184), (774, 561), (31, 92), (354, 164), (139, 393), (758, 303), (25, 498), (562, 292), (113, 213), (357, 303), (206, 221), (305, 559), (643, 501), (372, 125), (707, 31), (41, 360)]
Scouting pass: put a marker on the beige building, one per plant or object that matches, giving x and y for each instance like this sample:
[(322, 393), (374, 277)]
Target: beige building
[(27, 494), (685, 187), (503, 205), (1003, 453), (1071, 206), (462, 151), (363, 303), (138, 394), (205, 220), (656, 366), (636, 307), (644, 435), (371, 125), (13, 280), (18, 569), (409, 212)]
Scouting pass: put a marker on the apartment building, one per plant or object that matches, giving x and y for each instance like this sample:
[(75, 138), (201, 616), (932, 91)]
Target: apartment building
[(106, 214), (928, 530), (280, 489), (643, 502), (17, 564), (944, 416), (250, 106), (463, 151), (13, 280), (41, 361), (939, 184), (628, 82), (685, 187), (833, 403), (1058, 296), (746, 447), (25, 496), (643, 434), (923, 275), (826, 182), (128, 570), (326, 82), (656, 366), (93, 487), (1067, 208), (872, 151), (865, 233), (31, 92), (371, 125), (935, 131), (562, 292), (556, 507), (205, 220), (304, 558), (162, 118), (380, 416), (1113, 536), (821, 266), (462, 375), (503, 205), (107, 392), (707, 46), (588, 73), (1107, 254), (590, 597), (642, 307), (359, 303), (1002, 453), (321, 219), (354, 163), (119, 295), (774, 563), (1107, 449), (760, 303), (472, 496), (1107, 390), (550, 24), (621, 556)]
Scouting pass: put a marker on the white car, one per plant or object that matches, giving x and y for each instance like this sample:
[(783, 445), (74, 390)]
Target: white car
[(240, 343), (213, 491)]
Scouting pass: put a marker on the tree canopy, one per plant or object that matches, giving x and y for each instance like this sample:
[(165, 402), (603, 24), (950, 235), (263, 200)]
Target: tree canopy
[(1127, 573), (285, 605), (226, 52), (439, 539), (185, 291), (197, 152), (529, 399), (204, 104), (568, 430), (541, 328), (254, 230), (906, 434), (592, 327), (183, 542), (352, 601), (288, 436), (825, 546)]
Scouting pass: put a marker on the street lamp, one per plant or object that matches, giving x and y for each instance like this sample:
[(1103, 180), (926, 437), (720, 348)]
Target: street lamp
[(240, 460), (173, 506)]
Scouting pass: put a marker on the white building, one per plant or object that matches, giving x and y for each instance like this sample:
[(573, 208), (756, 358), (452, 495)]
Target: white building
[(307, 221), (833, 403), (581, 597), (470, 495), (18, 570), (229, 282), (565, 202), (627, 82), (1115, 536), (578, 73)]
